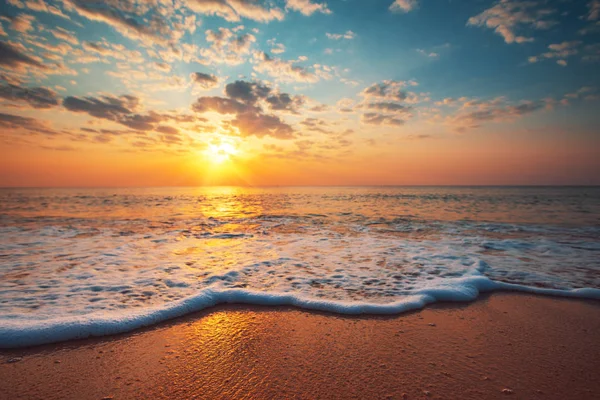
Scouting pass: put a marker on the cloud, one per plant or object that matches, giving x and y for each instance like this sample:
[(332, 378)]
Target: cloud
[(260, 125), (319, 108), (247, 92), (594, 27), (419, 137), (107, 107), (337, 36), (37, 97), (285, 102), (430, 54), (594, 10), (276, 48), (58, 148), (564, 49), (168, 130), (22, 23), (234, 10), (221, 105), (105, 49), (122, 109), (253, 92), (587, 93), (13, 56), (386, 99), (381, 119), (591, 52), (65, 35), (560, 51), (387, 107), (204, 81), (245, 101), (220, 8), (61, 48), (345, 105), (316, 125), (508, 16), (473, 113), (288, 71), (496, 113), (32, 125), (96, 47), (226, 47), (39, 6), (404, 6), (141, 122), (391, 90), (307, 7), (125, 20), (161, 66), (250, 9), (150, 78)]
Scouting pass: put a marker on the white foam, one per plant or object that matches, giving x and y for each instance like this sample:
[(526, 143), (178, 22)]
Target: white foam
[(20, 333)]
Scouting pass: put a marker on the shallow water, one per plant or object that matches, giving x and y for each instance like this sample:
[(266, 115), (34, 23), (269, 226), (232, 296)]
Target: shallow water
[(96, 261)]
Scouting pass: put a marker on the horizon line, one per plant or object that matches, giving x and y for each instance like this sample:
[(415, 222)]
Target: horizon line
[(308, 186)]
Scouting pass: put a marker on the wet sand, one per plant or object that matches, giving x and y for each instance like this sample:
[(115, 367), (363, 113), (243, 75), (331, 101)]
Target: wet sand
[(503, 345)]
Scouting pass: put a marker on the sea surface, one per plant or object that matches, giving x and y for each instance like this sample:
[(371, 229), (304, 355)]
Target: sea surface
[(81, 262)]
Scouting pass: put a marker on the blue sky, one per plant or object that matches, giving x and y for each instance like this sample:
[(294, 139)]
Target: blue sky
[(302, 79)]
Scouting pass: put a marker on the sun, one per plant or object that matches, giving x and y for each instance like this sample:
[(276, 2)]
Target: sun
[(220, 153)]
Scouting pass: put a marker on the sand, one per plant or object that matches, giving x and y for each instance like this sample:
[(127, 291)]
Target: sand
[(502, 346)]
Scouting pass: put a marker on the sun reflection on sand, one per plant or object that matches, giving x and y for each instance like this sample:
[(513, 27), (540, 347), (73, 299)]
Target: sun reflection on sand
[(223, 338)]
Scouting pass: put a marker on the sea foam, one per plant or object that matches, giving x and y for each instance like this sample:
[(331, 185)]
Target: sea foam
[(29, 333)]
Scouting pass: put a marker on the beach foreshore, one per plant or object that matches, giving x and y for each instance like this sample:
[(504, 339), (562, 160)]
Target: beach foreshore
[(504, 345)]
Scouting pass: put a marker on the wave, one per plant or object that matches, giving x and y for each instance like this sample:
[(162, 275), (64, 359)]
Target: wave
[(30, 333)]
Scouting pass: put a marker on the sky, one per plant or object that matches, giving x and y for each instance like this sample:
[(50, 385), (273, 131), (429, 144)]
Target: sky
[(299, 92)]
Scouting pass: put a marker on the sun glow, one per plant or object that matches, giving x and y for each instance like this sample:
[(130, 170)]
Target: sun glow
[(220, 153)]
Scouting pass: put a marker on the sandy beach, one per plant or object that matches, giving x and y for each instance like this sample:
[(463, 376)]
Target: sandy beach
[(503, 345)]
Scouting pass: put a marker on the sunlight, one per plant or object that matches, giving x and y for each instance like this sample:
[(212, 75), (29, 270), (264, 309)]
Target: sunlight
[(220, 153), (222, 163)]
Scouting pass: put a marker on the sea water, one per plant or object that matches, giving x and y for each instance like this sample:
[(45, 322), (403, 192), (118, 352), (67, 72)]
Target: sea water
[(81, 262)]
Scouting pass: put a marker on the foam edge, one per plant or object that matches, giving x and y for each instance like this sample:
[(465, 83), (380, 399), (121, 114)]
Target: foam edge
[(32, 333)]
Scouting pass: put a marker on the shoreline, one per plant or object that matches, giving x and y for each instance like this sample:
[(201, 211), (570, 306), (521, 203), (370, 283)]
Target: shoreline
[(465, 290), (531, 345)]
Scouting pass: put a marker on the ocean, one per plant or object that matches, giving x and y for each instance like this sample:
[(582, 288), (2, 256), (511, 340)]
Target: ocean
[(81, 262)]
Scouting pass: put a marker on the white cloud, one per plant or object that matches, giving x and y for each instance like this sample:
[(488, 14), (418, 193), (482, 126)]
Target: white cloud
[(430, 54), (559, 51), (63, 34), (509, 16), (226, 47), (21, 23), (234, 10), (276, 48), (289, 71), (404, 6), (307, 7), (337, 36)]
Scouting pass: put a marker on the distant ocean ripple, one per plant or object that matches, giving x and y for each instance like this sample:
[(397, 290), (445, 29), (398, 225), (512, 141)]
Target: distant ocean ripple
[(80, 262)]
